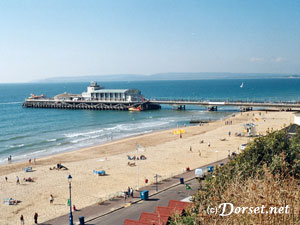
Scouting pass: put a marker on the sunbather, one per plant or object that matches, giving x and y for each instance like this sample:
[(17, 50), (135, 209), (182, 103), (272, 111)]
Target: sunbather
[(143, 157), (131, 164)]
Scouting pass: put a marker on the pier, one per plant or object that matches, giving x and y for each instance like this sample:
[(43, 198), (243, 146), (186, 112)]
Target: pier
[(242, 105), (91, 105), (95, 98), (98, 98), (154, 104)]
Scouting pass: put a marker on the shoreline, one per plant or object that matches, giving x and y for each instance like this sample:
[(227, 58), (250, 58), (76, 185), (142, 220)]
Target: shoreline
[(23, 155), (23, 163), (166, 153)]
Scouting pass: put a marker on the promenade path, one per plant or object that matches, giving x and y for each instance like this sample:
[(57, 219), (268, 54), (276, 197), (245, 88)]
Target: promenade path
[(115, 211)]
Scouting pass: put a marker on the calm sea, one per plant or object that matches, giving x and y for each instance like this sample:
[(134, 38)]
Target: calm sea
[(31, 133)]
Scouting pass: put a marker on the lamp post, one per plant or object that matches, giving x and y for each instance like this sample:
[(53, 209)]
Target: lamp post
[(71, 216), (156, 176), (137, 165)]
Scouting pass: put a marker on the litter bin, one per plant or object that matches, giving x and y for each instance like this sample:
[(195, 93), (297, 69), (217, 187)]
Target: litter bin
[(144, 195), (181, 180), (81, 220)]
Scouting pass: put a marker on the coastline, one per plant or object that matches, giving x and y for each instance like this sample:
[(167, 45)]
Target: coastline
[(60, 156), (166, 153)]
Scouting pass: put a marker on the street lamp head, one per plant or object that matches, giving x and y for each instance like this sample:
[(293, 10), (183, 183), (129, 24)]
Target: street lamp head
[(70, 178)]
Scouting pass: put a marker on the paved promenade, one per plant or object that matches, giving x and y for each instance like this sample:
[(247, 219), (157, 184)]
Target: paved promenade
[(118, 208)]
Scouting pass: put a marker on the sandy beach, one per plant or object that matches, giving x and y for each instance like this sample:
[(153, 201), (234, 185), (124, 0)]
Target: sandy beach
[(167, 155)]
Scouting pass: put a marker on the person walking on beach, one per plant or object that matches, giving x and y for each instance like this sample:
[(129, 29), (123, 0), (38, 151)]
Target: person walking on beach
[(51, 199), (22, 219), (35, 217), (18, 180)]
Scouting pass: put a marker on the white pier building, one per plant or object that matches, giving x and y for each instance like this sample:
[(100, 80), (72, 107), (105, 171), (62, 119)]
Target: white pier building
[(97, 93)]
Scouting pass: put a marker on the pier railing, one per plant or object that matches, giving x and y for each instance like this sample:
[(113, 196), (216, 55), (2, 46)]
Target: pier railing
[(243, 103), (227, 100)]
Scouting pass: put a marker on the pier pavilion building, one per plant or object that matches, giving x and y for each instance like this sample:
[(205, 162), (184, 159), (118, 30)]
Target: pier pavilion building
[(98, 93)]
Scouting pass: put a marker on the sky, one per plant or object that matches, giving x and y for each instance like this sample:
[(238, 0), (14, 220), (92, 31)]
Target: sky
[(54, 38)]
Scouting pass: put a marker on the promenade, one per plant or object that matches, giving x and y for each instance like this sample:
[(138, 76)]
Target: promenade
[(116, 210)]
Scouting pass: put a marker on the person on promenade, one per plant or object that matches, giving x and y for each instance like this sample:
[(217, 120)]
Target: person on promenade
[(51, 199), (35, 217), (22, 219), (131, 192), (128, 191), (74, 208)]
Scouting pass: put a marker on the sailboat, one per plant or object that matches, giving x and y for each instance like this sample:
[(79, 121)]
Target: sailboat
[(242, 85)]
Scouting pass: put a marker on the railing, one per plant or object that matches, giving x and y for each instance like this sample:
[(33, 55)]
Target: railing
[(193, 100)]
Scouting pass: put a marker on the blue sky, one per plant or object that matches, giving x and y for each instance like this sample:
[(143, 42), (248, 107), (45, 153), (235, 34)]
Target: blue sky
[(40, 39)]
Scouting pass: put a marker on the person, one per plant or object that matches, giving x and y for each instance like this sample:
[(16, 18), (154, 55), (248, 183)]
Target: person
[(22, 219), (51, 199), (191, 149), (74, 208), (35, 217), (29, 161), (128, 191), (208, 144), (131, 192), (6, 179), (18, 180), (229, 133)]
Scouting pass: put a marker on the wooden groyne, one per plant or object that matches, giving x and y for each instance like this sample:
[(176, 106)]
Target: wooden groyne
[(90, 105)]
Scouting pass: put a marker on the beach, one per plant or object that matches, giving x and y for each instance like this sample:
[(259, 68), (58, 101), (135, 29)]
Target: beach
[(167, 155)]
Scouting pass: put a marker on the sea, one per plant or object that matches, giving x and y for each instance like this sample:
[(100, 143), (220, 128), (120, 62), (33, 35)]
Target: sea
[(27, 133)]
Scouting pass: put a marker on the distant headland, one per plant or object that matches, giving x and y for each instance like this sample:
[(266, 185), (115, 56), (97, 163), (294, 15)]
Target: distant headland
[(166, 76)]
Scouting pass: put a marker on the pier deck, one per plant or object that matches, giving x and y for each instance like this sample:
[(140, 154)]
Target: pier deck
[(90, 104), (155, 104), (212, 105)]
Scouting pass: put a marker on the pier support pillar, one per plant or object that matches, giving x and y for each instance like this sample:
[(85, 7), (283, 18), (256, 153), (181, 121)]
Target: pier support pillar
[(178, 107), (212, 108), (245, 109)]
